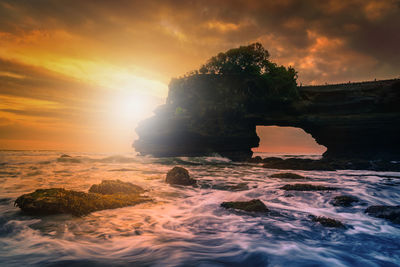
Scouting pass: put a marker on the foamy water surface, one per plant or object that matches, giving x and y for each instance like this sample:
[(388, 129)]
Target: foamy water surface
[(185, 226)]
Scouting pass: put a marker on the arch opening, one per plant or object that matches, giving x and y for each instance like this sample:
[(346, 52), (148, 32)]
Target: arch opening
[(286, 140)]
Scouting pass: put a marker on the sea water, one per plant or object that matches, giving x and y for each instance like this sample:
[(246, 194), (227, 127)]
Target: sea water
[(185, 226)]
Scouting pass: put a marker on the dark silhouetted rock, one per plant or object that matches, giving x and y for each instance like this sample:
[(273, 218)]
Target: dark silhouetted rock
[(327, 222), (298, 164), (391, 213), (344, 201), (256, 159), (59, 200), (306, 187), (108, 187), (206, 114), (254, 205), (288, 175), (179, 176)]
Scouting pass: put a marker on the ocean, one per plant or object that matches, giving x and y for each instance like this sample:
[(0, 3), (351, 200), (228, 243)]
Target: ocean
[(186, 226)]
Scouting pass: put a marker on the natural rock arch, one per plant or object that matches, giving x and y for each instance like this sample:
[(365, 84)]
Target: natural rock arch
[(207, 114), (287, 140)]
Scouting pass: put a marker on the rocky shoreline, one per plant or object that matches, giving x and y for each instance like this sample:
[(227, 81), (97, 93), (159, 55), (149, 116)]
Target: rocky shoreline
[(112, 194)]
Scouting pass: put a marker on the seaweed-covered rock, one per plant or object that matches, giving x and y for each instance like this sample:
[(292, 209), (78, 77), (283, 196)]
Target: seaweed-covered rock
[(327, 222), (108, 187), (306, 187), (254, 205), (288, 175), (391, 213), (179, 176), (344, 201), (59, 200)]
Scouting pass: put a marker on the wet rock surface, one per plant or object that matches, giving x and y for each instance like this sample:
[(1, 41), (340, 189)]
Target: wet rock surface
[(327, 222), (344, 201), (254, 205), (59, 201), (307, 187), (391, 213), (179, 176), (231, 187), (109, 187)]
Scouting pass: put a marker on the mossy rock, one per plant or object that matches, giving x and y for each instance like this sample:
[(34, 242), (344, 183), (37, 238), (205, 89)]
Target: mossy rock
[(108, 187), (344, 201), (59, 201), (254, 205), (327, 222), (288, 175), (306, 187), (391, 213), (179, 176)]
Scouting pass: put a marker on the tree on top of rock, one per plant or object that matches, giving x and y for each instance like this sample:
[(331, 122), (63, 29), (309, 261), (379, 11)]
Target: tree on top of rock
[(252, 59)]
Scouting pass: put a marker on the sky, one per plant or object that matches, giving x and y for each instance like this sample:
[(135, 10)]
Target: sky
[(79, 75)]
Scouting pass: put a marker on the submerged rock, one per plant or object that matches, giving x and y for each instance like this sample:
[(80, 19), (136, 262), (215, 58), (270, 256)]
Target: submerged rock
[(288, 175), (344, 201), (179, 176), (108, 187), (254, 205), (230, 187), (256, 159), (297, 164), (306, 187), (59, 200), (391, 213), (68, 159), (327, 222)]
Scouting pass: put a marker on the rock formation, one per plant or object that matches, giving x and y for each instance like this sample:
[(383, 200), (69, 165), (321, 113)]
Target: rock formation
[(206, 114)]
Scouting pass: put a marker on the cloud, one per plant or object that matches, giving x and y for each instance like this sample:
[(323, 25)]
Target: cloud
[(160, 34), (61, 62)]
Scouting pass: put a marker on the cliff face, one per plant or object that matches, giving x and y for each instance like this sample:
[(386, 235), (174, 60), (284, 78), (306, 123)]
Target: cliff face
[(207, 114)]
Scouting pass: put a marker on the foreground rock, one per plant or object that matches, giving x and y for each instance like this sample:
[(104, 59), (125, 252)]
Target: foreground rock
[(254, 205), (327, 222), (108, 187), (344, 201), (179, 176), (391, 213), (59, 201), (288, 175), (306, 187)]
